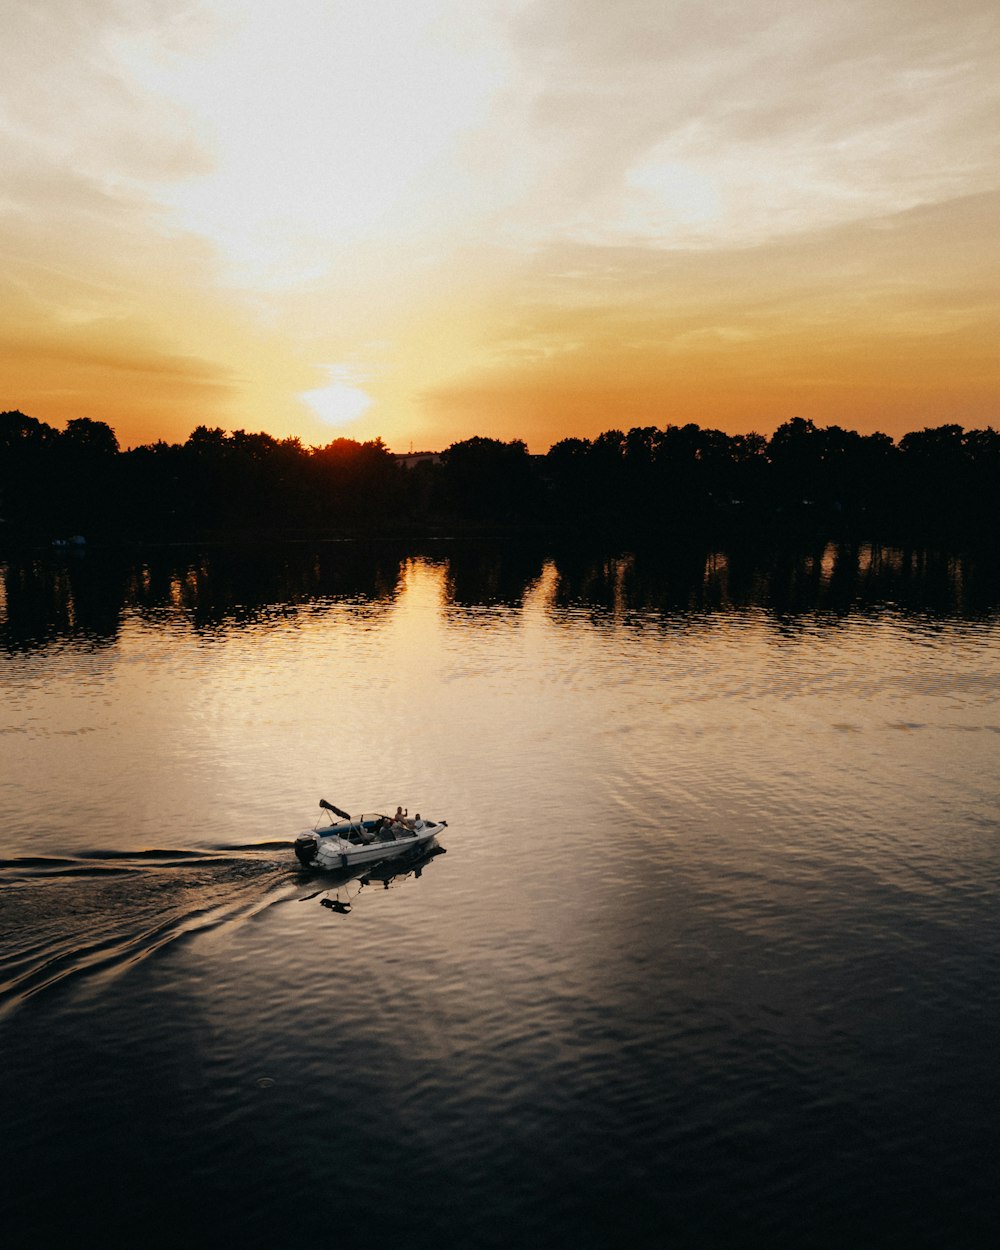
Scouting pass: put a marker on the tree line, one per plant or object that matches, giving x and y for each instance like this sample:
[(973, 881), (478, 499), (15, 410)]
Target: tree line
[(934, 482)]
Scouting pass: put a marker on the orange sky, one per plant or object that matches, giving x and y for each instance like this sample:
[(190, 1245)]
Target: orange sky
[(521, 218)]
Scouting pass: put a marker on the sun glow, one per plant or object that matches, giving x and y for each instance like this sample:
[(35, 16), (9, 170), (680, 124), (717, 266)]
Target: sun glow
[(341, 402), (325, 124)]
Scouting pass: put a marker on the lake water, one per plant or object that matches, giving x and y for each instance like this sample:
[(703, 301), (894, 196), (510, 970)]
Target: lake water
[(711, 957)]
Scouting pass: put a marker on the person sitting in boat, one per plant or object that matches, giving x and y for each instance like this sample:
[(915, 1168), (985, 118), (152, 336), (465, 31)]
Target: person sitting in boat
[(400, 824), (417, 823)]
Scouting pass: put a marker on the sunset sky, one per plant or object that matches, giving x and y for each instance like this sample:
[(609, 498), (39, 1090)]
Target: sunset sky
[(427, 219)]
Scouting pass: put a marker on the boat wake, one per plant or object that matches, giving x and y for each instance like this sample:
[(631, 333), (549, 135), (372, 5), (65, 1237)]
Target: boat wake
[(96, 914)]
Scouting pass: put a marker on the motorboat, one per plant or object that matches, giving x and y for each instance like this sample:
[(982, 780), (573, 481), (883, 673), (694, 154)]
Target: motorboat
[(366, 839)]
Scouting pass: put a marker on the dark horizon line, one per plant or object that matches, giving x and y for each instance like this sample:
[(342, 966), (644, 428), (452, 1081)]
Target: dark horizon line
[(805, 423)]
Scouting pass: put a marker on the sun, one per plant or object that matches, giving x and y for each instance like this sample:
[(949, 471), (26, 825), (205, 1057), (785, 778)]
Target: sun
[(340, 402)]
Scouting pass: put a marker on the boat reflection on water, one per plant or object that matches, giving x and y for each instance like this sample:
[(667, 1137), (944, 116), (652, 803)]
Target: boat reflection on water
[(342, 886)]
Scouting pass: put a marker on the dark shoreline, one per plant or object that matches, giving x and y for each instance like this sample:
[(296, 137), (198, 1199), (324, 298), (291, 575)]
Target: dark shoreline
[(645, 487)]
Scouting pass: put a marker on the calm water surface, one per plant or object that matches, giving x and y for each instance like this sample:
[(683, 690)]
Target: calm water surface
[(709, 954)]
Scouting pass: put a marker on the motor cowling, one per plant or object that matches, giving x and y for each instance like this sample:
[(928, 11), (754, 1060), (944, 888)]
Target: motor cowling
[(306, 846)]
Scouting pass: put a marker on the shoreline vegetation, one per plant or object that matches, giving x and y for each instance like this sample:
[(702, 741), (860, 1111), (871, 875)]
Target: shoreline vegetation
[(938, 484)]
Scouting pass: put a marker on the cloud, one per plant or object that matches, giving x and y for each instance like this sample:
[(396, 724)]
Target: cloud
[(66, 98), (329, 125), (868, 324), (786, 116), (466, 200)]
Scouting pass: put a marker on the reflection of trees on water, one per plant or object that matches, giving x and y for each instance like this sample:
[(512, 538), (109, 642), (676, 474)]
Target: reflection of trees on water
[(671, 580), (788, 581), (491, 574), (74, 598), (83, 597), (234, 586), (847, 577)]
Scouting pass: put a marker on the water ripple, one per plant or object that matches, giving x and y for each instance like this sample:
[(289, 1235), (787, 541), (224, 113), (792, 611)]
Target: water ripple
[(64, 919)]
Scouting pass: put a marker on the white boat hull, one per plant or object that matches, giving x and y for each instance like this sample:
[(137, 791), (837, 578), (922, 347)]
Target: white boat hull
[(339, 846), (334, 852)]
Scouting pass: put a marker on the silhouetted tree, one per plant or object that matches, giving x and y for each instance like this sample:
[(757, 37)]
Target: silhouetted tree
[(353, 483), (19, 432), (937, 481), (795, 452), (56, 481), (25, 462), (487, 479), (950, 479), (93, 439)]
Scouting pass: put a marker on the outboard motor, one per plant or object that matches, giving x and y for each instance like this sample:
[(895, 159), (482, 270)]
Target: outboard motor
[(306, 846)]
